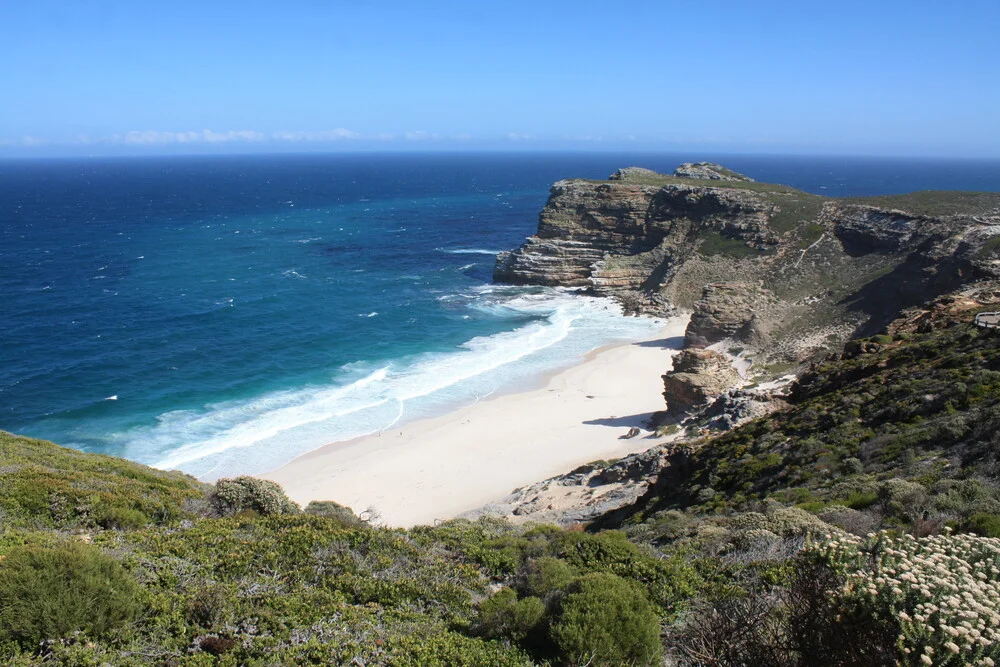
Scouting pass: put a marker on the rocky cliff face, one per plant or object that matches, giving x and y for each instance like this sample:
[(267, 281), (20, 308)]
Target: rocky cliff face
[(697, 376), (790, 274), (779, 276)]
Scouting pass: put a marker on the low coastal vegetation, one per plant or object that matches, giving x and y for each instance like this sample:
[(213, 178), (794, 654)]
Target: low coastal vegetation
[(861, 526)]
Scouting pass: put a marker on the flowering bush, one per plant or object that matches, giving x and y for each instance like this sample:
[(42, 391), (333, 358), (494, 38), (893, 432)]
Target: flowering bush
[(942, 590), (241, 494)]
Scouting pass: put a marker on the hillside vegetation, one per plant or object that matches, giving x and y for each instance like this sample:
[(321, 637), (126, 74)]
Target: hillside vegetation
[(869, 511)]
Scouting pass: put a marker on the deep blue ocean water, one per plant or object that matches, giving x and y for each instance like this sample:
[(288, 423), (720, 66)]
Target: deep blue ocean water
[(225, 314)]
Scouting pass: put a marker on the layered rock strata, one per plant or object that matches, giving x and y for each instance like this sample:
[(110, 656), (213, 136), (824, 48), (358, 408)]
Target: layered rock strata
[(726, 311), (790, 274), (697, 377)]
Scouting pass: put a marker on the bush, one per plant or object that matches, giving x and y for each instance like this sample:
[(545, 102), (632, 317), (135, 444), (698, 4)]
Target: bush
[(941, 593), (981, 523), (332, 510), (606, 620), (241, 494), (50, 592), (503, 615), (122, 518), (544, 577)]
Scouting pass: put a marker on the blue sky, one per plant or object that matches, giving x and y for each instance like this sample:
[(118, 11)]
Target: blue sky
[(863, 78)]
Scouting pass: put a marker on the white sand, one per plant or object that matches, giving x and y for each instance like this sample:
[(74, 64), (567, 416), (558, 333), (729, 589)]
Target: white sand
[(438, 468)]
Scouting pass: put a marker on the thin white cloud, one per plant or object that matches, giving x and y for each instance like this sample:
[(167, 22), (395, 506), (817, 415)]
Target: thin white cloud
[(153, 137), (321, 135), (420, 135)]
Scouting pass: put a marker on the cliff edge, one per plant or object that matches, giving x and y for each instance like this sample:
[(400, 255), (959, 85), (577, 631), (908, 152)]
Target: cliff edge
[(785, 276)]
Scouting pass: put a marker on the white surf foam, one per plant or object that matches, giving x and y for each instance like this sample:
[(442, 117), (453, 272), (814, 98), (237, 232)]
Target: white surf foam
[(555, 330), (468, 251)]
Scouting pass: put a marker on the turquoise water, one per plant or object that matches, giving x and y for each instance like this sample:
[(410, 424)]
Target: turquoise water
[(223, 315)]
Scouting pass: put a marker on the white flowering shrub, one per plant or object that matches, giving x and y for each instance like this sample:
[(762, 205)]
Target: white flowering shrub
[(943, 591), (244, 493)]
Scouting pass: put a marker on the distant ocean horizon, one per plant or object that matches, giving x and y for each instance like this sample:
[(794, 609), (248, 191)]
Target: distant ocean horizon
[(224, 314)]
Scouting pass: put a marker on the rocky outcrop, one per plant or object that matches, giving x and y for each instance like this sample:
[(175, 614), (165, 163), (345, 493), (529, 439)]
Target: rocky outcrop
[(785, 275), (697, 377), (814, 271), (949, 309), (580, 226), (866, 229), (633, 174), (590, 491), (619, 236), (737, 406), (726, 311), (709, 171)]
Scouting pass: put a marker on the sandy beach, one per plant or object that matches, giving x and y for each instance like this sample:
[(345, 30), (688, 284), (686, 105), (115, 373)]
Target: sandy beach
[(437, 468)]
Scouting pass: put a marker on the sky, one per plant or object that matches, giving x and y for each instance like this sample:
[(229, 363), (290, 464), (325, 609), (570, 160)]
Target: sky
[(912, 77)]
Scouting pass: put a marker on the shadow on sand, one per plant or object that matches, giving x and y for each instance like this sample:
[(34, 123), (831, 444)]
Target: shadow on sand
[(641, 420), (672, 343)]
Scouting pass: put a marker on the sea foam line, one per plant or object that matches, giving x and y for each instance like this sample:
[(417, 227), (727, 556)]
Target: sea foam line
[(276, 427), (469, 251)]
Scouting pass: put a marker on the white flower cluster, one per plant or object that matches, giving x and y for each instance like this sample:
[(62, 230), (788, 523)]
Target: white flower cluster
[(944, 590)]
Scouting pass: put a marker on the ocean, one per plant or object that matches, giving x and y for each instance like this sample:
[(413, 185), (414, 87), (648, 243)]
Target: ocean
[(222, 315)]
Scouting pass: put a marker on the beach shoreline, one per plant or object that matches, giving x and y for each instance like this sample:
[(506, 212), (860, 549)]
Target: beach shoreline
[(437, 468)]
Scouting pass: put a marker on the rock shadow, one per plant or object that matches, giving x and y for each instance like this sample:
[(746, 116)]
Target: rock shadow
[(672, 343), (643, 420)]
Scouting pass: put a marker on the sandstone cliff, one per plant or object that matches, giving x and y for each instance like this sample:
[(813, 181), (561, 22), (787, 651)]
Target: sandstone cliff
[(789, 275)]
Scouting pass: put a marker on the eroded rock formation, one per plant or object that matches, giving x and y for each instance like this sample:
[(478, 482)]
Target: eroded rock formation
[(697, 377)]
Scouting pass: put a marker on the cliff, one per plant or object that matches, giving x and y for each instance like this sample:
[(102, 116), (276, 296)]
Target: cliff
[(790, 275)]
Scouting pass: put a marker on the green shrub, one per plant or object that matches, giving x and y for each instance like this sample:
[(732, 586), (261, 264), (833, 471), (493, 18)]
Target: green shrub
[(332, 510), (241, 494), (122, 518), (44, 484), (544, 577), (860, 500), (503, 615), (668, 581), (606, 620), (50, 592), (853, 466), (207, 606), (981, 523)]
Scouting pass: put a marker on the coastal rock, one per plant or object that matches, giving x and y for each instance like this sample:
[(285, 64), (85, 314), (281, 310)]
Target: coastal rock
[(816, 271), (697, 377), (865, 229), (738, 406), (726, 311), (709, 171), (632, 174), (579, 496), (580, 225), (619, 237)]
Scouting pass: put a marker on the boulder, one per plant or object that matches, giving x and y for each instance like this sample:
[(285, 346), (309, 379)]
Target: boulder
[(697, 377)]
